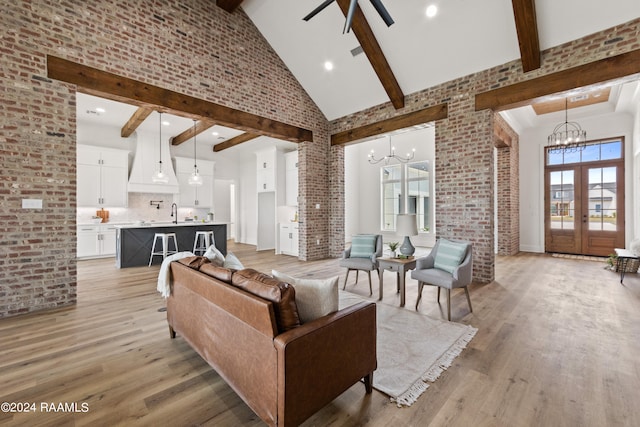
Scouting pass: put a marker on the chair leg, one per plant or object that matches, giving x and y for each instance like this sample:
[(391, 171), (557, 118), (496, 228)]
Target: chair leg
[(370, 287), (357, 272), (448, 304), (420, 286), (438, 294), (345, 279), (466, 291)]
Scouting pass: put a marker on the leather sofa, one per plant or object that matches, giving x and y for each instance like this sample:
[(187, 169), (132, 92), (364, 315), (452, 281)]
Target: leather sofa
[(284, 376)]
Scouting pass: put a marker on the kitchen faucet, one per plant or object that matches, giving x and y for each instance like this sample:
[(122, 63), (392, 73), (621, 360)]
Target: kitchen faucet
[(175, 219)]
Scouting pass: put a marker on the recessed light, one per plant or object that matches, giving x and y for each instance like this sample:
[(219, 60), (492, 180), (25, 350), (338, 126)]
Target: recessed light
[(215, 133), (432, 10), (328, 65), (165, 123), (100, 110)]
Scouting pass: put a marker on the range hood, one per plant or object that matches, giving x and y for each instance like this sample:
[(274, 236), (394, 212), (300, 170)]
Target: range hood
[(145, 163)]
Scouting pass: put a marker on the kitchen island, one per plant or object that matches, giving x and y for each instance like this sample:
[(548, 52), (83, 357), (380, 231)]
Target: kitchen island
[(133, 242)]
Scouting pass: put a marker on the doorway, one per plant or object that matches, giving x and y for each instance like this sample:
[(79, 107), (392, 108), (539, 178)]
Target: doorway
[(584, 199)]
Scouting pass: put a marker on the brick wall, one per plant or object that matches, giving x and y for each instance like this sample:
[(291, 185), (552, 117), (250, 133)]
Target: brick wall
[(508, 191), (464, 149), (195, 48), (192, 47)]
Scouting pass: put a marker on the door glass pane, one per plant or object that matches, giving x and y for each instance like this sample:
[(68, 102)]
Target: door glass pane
[(561, 194), (602, 198), (554, 157)]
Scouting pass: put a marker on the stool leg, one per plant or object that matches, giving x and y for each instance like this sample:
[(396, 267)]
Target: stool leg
[(153, 248), (165, 246)]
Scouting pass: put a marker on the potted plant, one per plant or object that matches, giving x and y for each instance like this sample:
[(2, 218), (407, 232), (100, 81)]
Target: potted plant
[(392, 247)]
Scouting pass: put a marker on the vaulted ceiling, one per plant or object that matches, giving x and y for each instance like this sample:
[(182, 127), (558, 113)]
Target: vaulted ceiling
[(417, 52)]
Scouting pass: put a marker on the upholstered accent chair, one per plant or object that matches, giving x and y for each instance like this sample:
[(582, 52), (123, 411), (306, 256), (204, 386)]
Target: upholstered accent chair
[(362, 255), (449, 266)]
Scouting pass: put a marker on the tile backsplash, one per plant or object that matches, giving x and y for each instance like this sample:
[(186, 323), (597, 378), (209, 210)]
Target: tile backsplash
[(140, 208)]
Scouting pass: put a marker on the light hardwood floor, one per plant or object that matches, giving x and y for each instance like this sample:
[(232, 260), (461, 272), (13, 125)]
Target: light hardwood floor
[(558, 345)]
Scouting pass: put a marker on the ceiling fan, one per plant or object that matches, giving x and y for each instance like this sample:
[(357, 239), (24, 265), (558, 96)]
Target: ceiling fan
[(382, 11)]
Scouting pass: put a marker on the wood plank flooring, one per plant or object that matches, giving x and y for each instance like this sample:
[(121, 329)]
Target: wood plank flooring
[(558, 345)]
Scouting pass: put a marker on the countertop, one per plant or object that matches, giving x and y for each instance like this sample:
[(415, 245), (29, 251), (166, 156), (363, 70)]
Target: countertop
[(170, 224)]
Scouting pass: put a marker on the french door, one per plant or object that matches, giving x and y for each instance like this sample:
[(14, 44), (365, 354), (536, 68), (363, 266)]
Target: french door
[(584, 200)]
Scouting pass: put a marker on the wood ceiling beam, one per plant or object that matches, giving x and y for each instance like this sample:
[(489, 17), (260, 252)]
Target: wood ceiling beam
[(371, 48), (235, 141), (429, 114), (523, 93), (120, 88), (201, 126), (524, 12), (229, 5), (501, 139), (134, 121)]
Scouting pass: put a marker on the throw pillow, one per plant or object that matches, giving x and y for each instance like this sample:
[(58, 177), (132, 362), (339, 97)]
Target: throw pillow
[(282, 295), (449, 255), (363, 246), (314, 297), (214, 255), (231, 261)]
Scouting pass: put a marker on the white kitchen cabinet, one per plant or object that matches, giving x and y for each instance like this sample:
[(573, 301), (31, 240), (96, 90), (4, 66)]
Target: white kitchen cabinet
[(191, 196), (102, 175), (288, 238), (95, 241), (291, 178), (266, 170)]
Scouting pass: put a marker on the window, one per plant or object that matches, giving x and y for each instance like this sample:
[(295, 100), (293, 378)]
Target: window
[(406, 186), (601, 150)]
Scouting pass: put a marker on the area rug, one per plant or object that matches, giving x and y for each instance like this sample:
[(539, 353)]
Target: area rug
[(413, 349)]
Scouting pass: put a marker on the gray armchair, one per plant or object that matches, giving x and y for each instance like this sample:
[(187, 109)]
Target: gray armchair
[(366, 260), (452, 269)]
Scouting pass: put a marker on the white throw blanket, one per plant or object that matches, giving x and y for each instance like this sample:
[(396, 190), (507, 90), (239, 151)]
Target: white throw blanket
[(164, 277)]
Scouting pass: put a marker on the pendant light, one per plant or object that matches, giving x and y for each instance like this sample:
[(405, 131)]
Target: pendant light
[(160, 177), (195, 178), (567, 137)]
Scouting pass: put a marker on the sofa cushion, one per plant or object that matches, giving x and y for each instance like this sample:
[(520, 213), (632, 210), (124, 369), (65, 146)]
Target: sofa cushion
[(363, 246), (449, 255), (281, 294), (194, 261), (314, 297), (220, 273)]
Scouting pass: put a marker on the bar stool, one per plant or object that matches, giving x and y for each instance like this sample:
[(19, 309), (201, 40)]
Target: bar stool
[(202, 241), (165, 245)]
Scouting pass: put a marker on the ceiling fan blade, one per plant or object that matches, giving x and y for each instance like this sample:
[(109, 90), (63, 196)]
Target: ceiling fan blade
[(382, 11), (318, 9), (352, 9)]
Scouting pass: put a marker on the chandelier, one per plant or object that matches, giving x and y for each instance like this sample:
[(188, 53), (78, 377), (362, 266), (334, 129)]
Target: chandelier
[(392, 155), (567, 137)]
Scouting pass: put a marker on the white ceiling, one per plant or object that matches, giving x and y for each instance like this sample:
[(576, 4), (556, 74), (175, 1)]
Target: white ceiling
[(465, 37)]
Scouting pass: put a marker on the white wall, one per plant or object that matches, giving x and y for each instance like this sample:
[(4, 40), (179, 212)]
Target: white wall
[(532, 142), (362, 182)]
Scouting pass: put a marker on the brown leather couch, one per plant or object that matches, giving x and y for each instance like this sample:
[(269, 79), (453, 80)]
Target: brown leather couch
[(283, 376)]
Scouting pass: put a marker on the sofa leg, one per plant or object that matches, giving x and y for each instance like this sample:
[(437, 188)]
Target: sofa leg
[(368, 383), (172, 333)]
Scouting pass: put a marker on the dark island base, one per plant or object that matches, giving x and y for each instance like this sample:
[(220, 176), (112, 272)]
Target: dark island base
[(133, 245)]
